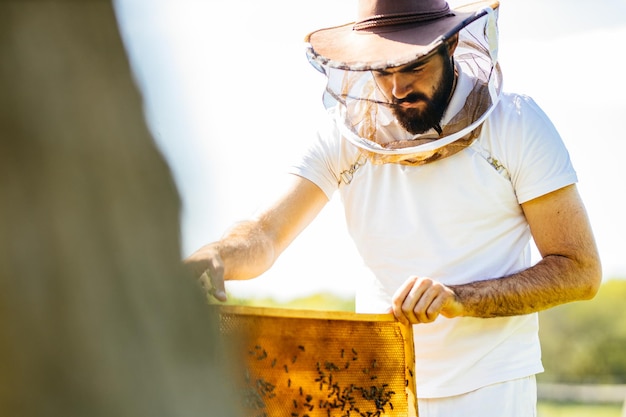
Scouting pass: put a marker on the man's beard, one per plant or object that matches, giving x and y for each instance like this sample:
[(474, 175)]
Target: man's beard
[(418, 121)]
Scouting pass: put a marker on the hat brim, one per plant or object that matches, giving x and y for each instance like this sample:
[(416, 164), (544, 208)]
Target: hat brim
[(343, 47)]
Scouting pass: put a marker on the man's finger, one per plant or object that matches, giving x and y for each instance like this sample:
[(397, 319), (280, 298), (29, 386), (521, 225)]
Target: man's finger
[(212, 286), (399, 298), (426, 309)]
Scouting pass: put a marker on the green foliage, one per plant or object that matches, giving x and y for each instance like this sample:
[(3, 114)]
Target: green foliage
[(548, 409), (585, 342), (324, 302)]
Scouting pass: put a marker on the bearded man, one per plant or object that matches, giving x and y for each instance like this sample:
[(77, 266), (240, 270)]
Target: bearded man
[(445, 181)]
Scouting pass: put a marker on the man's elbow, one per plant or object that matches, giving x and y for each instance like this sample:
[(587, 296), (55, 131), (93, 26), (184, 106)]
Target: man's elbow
[(593, 279)]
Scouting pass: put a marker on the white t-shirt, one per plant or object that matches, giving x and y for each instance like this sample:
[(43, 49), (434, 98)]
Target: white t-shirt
[(456, 220)]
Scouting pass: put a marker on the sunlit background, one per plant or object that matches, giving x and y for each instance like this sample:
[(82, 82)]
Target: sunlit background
[(231, 100)]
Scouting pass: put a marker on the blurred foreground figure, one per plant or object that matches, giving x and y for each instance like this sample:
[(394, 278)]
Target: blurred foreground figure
[(95, 318)]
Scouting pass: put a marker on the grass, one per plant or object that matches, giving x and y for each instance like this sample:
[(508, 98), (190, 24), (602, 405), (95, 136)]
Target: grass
[(553, 409)]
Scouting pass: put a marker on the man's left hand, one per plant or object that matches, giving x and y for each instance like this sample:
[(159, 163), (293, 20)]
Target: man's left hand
[(422, 300)]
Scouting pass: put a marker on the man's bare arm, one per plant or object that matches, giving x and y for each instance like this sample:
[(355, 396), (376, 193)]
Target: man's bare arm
[(569, 271), (251, 247)]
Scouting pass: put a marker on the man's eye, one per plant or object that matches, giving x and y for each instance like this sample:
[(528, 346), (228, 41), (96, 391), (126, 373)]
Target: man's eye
[(414, 69)]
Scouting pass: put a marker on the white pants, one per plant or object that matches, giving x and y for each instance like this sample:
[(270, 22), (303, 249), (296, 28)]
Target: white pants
[(517, 398)]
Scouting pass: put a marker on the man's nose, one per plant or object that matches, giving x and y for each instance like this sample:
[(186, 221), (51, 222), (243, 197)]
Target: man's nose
[(401, 86)]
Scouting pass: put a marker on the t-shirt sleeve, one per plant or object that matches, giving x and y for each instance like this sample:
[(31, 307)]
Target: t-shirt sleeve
[(321, 160), (533, 151)]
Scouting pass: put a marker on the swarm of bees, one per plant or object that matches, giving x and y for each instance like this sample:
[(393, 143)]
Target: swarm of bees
[(303, 364), (329, 390)]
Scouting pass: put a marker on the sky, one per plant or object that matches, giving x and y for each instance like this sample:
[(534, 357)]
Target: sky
[(231, 99)]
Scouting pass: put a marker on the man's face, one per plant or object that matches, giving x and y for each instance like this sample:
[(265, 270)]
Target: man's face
[(419, 92)]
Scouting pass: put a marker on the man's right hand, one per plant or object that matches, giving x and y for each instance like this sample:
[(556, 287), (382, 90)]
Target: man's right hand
[(207, 267)]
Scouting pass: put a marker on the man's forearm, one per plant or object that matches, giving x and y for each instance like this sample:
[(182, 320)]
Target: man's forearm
[(246, 251), (553, 281)]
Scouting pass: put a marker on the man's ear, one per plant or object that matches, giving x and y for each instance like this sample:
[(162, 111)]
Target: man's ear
[(452, 43)]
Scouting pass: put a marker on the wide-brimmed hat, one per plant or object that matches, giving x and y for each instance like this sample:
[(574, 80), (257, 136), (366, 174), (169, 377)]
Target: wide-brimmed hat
[(390, 33)]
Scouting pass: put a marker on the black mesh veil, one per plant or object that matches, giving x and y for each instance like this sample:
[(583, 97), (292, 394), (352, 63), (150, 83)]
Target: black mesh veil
[(365, 117)]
